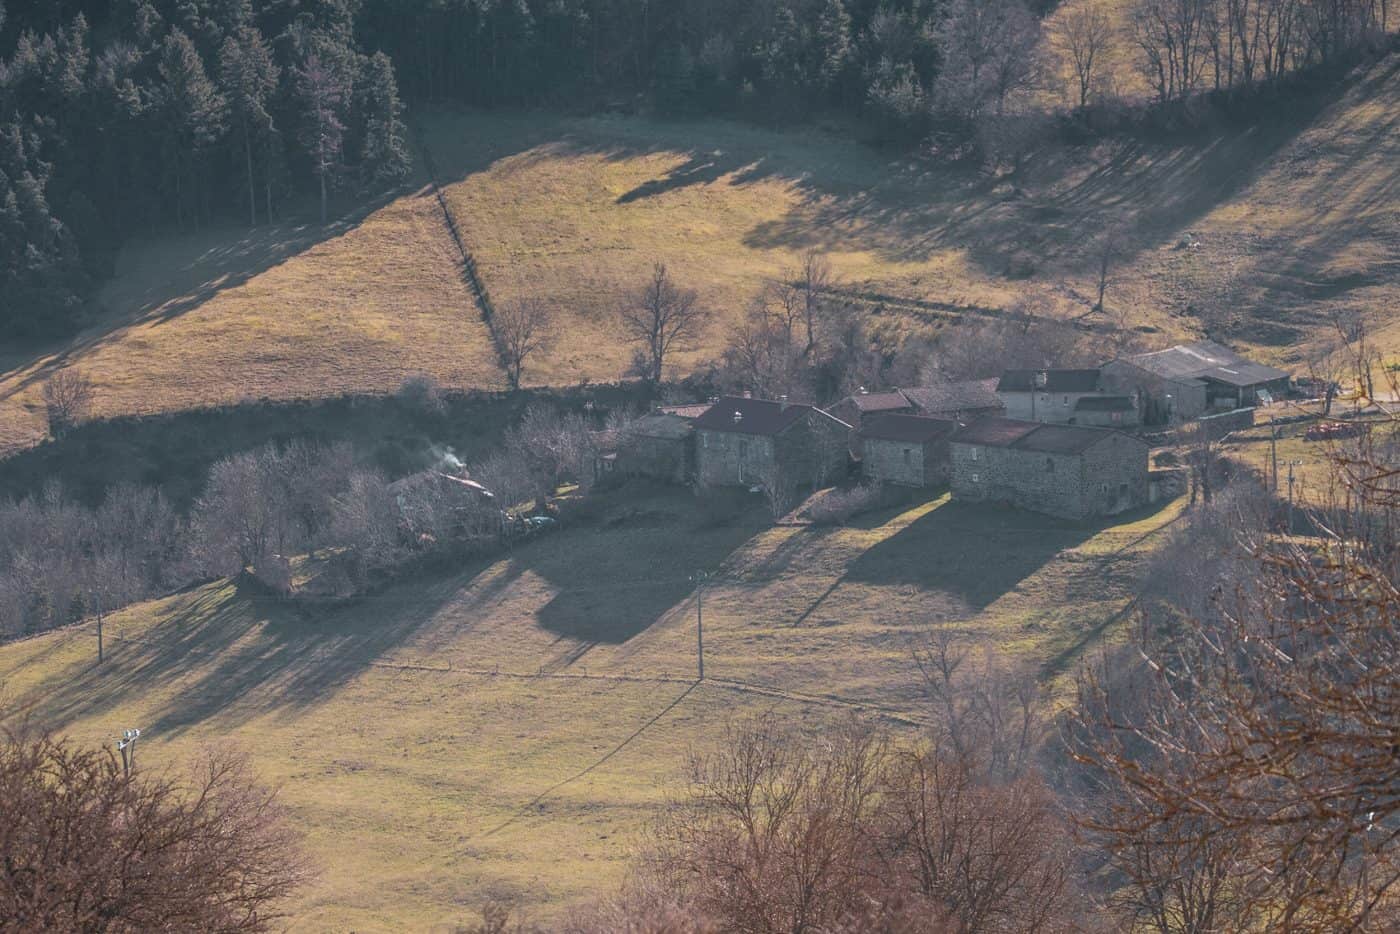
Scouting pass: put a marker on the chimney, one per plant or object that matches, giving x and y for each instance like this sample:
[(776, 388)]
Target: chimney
[(863, 391), (782, 403), (748, 393)]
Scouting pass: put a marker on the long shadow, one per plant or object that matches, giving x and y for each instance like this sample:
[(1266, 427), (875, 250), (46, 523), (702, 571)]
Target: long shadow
[(240, 255), (234, 653), (975, 552)]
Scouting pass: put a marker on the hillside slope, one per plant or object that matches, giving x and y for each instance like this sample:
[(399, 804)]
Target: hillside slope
[(1255, 233), (508, 729)]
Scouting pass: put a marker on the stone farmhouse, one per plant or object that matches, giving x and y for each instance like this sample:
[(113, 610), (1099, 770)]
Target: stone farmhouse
[(747, 442), (908, 450), (1189, 380), (1064, 397), (1070, 471)]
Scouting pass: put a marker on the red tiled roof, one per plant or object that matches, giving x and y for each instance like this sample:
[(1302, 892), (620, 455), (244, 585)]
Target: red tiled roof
[(880, 401)]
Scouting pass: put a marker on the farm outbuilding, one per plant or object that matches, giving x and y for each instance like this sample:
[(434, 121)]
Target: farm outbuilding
[(908, 450), (855, 408), (1070, 471), (960, 400), (660, 445), (747, 442), (1190, 380)]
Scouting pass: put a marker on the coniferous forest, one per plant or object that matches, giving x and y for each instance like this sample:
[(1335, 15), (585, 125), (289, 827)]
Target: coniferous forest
[(124, 115)]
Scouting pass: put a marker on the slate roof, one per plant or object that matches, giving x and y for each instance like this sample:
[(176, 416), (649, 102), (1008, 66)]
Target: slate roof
[(915, 429), (756, 416), (956, 397), (688, 411), (880, 401), (1033, 436), (1207, 360), (663, 425), (1055, 381), (1105, 404)]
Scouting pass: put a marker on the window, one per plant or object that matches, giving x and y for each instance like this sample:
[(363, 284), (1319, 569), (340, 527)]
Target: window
[(743, 449), (906, 456), (1066, 400), (1117, 416), (1049, 465), (974, 453), (976, 478)]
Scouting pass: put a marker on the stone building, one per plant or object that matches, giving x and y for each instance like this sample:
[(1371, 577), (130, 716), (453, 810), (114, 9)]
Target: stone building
[(660, 445), (962, 400), (753, 442), (1050, 396), (856, 407), (1069, 471), (909, 450), (1189, 380)]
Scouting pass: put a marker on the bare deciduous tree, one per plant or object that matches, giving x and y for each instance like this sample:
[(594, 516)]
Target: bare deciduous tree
[(524, 329), (662, 318), (813, 279), (68, 398), (1268, 733), (1084, 36), (87, 848)]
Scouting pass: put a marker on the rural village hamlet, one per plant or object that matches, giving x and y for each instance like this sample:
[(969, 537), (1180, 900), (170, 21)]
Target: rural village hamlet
[(706, 467)]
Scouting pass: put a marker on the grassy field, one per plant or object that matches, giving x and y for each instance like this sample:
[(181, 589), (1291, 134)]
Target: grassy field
[(1258, 232), (288, 312), (507, 729)]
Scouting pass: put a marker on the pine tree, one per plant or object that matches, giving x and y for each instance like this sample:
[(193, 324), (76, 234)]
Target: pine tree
[(249, 79), (384, 155), (191, 112), (321, 94), (832, 42)]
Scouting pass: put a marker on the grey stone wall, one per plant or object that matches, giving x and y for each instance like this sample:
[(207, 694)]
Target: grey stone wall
[(1128, 419), (727, 458), (1108, 478), (906, 463), (666, 459)]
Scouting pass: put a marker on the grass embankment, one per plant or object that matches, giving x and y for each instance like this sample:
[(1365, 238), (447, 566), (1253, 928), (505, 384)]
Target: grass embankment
[(506, 730)]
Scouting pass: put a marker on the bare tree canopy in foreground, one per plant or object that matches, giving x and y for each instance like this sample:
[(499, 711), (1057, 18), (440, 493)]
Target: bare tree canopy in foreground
[(85, 848), (1250, 773)]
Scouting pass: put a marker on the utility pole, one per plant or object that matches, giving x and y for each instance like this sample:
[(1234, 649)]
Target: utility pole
[(127, 747), (700, 577), (1291, 465), (98, 601), (1273, 449)]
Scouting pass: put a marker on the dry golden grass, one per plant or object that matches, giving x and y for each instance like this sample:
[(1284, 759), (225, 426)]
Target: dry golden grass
[(508, 730), (293, 311), (1257, 234)]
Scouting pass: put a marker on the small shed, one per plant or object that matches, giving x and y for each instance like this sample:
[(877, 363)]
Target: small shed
[(909, 450), (1105, 412)]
